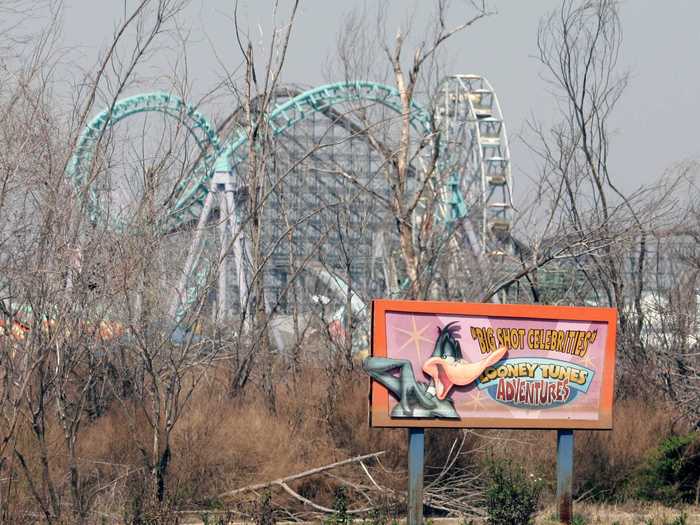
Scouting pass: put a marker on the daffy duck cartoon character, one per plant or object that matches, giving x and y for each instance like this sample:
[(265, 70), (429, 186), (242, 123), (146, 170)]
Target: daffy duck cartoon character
[(445, 366)]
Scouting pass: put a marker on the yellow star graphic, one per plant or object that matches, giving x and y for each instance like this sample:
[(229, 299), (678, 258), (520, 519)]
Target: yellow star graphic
[(477, 400), (415, 336), (587, 361)]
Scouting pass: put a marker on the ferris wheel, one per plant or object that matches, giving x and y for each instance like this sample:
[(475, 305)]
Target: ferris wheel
[(469, 119)]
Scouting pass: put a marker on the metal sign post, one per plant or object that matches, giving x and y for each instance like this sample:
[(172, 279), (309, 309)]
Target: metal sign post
[(416, 457), (565, 474)]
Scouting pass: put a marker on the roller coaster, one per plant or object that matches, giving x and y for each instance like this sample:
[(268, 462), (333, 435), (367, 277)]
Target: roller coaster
[(330, 147), (325, 231)]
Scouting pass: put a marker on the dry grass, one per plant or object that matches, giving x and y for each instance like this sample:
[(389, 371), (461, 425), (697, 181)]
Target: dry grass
[(591, 514), (221, 443), (626, 514), (604, 460)]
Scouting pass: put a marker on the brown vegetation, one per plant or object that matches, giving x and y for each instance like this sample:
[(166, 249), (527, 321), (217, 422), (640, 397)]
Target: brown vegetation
[(222, 444)]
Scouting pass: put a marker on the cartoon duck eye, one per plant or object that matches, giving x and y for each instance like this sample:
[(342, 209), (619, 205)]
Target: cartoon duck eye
[(444, 356)]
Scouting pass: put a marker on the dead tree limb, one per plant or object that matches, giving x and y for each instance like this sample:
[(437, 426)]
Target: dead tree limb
[(282, 482)]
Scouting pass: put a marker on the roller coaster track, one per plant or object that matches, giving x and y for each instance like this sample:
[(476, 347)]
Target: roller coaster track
[(465, 116)]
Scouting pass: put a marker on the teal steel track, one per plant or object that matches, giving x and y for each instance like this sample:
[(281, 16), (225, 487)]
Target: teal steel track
[(191, 191), (293, 111), (227, 157)]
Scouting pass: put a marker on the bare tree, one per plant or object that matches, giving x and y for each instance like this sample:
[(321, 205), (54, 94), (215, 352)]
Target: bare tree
[(671, 328), (603, 230), (64, 278)]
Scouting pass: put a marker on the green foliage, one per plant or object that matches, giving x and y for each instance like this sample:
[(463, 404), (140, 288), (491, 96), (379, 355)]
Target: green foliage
[(340, 506), (579, 519), (264, 512), (217, 519), (671, 473), (680, 520), (511, 495), (384, 513), (376, 517)]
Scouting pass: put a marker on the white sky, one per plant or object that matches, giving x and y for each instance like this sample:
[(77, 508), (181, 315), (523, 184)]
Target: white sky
[(654, 122)]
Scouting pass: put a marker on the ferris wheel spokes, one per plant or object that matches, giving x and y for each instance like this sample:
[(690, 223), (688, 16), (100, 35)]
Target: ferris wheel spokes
[(469, 117)]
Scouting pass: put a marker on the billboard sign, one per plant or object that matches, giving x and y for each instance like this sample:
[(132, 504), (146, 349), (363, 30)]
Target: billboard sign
[(442, 364)]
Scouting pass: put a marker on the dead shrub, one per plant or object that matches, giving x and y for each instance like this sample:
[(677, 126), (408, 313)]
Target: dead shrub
[(604, 460), (221, 443)]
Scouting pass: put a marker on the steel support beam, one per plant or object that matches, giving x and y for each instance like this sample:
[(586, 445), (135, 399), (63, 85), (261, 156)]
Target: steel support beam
[(416, 459), (565, 474), (193, 255)]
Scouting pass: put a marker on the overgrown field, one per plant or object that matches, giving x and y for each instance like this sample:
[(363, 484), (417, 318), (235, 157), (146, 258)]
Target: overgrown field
[(222, 443)]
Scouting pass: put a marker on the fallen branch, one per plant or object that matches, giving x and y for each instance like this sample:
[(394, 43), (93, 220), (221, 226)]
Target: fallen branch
[(317, 506), (381, 489), (282, 482)]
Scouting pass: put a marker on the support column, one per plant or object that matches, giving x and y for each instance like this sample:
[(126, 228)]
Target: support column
[(222, 292), (193, 255), (237, 248), (416, 459), (565, 474)]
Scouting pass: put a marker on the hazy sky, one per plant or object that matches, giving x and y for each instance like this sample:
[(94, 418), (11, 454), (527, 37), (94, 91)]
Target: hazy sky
[(654, 124)]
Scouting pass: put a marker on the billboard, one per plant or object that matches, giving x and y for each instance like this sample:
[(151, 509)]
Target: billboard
[(443, 364)]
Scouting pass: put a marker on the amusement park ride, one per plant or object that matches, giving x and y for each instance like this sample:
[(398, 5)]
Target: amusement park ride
[(328, 157)]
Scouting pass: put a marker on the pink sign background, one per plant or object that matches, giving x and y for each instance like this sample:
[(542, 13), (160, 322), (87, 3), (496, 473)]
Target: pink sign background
[(412, 336)]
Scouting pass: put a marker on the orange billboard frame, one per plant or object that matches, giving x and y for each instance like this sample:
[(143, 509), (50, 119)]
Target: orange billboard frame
[(380, 398)]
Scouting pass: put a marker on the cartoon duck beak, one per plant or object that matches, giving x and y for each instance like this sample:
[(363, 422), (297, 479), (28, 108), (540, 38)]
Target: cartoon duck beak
[(437, 368), (447, 372)]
